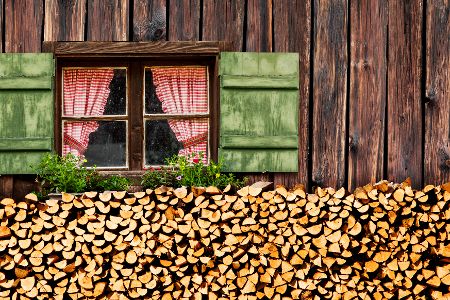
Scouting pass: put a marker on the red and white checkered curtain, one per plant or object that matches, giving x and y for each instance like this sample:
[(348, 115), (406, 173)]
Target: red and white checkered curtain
[(184, 90), (85, 93)]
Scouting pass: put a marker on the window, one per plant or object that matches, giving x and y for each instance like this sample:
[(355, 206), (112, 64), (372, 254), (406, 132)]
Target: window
[(132, 113), (126, 106)]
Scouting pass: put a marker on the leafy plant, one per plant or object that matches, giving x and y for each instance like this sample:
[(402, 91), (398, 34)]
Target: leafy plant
[(191, 171), (154, 178), (65, 174), (114, 183)]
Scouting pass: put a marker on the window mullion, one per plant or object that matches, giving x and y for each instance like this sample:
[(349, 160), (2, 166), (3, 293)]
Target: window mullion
[(135, 113)]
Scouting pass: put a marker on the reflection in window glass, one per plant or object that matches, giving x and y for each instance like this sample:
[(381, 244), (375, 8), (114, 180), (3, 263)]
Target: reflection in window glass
[(94, 92), (166, 138), (101, 143)]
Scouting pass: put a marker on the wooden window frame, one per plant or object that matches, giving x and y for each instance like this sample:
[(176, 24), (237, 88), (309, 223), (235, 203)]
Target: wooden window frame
[(136, 55)]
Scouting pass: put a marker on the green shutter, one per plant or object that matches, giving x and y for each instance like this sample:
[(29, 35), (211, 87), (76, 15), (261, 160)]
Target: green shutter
[(259, 111), (26, 106)]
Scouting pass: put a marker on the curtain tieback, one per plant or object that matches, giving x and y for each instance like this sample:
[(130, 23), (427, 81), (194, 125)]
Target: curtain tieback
[(74, 143), (194, 140)]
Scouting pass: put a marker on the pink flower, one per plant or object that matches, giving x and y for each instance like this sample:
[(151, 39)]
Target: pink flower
[(195, 160)]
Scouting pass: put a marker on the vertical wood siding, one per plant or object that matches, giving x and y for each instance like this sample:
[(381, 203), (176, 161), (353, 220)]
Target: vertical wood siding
[(367, 102), (437, 89), (404, 113), (374, 75)]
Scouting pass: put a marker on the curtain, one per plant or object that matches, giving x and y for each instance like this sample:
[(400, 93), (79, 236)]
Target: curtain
[(184, 90), (85, 93)]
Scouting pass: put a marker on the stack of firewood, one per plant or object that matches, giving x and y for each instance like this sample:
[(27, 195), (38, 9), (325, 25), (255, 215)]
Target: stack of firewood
[(383, 241)]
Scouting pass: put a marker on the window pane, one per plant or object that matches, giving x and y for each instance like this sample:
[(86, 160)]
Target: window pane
[(166, 138), (94, 91), (101, 143), (176, 90)]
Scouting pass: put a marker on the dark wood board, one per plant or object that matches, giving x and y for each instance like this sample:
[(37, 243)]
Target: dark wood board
[(64, 20), (223, 20), (1, 26), (136, 49), (184, 20), (367, 102), (292, 30), (149, 20), (23, 25), (108, 20), (329, 92), (437, 107), (259, 26), (404, 119)]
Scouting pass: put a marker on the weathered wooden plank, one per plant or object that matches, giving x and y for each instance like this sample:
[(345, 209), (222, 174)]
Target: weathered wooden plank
[(64, 20), (259, 26), (23, 25), (108, 20), (367, 91), (1, 28), (329, 92), (437, 109), (184, 20), (292, 30), (136, 49), (404, 91), (149, 20), (223, 20)]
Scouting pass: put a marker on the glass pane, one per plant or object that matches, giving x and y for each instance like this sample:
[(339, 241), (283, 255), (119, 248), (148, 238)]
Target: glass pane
[(94, 91), (166, 138), (102, 144), (176, 90)]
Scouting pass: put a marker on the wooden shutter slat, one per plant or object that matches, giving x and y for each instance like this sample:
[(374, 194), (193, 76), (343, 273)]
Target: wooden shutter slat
[(26, 83), (259, 142), (18, 144), (259, 112), (270, 82)]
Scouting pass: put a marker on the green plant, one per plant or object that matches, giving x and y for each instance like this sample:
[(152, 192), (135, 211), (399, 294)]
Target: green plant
[(65, 174), (115, 183), (154, 178), (191, 171)]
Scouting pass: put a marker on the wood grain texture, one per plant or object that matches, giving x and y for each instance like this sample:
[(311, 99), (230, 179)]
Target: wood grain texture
[(404, 91), (108, 20), (367, 91), (149, 20), (437, 109), (223, 20), (135, 49), (259, 26), (64, 20), (329, 92), (292, 30), (1, 26), (184, 20), (23, 25)]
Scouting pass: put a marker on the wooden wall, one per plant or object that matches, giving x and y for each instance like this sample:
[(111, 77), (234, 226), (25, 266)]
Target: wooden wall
[(374, 83)]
